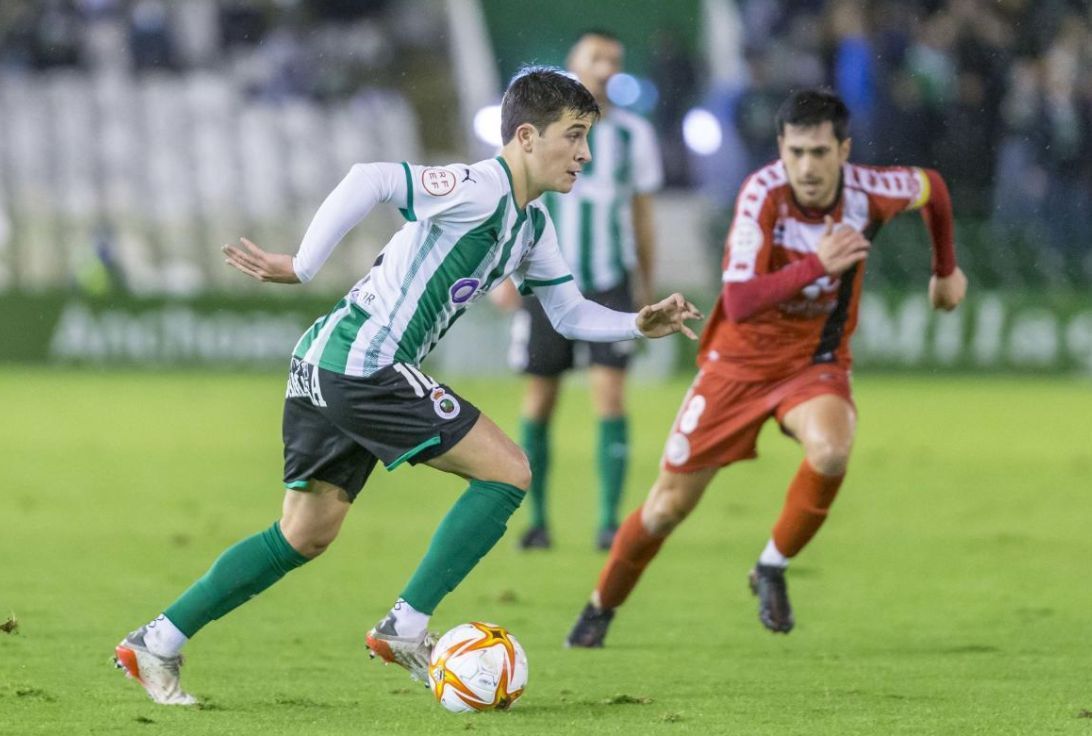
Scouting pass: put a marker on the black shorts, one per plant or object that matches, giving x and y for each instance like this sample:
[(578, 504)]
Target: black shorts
[(538, 350), (335, 426)]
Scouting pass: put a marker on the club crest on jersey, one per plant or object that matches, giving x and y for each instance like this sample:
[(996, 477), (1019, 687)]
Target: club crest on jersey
[(437, 181), (463, 290), (444, 404)]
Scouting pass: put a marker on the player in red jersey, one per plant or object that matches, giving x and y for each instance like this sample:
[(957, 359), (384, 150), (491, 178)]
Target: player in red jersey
[(777, 345)]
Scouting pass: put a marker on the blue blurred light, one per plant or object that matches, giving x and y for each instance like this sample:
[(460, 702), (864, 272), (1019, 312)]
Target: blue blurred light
[(623, 89)]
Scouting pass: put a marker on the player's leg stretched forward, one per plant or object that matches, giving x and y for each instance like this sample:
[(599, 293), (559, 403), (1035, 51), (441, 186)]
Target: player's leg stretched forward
[(672, 497), (498, 474), (824, 425), (309, 522)]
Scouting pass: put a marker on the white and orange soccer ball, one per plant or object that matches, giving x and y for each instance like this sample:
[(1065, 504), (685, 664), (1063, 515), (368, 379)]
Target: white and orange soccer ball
[(477, 666)]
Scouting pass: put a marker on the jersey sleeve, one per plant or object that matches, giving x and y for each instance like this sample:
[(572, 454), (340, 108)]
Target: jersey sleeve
[(544, 265), (750, 239), (898, 189), (648, 170), (892, 190), (455, 193), (365, 186)]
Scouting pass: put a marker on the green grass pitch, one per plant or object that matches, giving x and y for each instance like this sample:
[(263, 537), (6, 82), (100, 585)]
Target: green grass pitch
[(948, 594)]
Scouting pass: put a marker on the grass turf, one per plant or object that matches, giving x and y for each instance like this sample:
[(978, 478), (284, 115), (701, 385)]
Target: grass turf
[(945, 596)]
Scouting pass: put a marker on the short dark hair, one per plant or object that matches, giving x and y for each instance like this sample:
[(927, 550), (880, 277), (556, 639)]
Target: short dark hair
[(540, 95), (810, 107)]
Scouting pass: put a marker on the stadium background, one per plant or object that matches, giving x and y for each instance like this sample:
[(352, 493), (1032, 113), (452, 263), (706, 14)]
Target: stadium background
[(136, 137), (141, 379)]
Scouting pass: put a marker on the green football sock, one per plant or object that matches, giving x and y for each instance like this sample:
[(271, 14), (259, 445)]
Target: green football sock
[(470, 529), (243, 571), (613, 457), (535, 438)]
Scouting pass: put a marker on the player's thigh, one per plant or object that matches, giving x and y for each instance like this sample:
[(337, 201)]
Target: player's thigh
[(486, 453), (536, 348), (672, 497), (608, 388), (540, 397), (315, 447), (825, 425), (311, 517), (398, 414), (609, 361), (717, 424)]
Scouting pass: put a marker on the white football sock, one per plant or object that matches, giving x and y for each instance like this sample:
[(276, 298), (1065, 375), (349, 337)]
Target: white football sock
[(771, 556), (163, 638), (408, 621)]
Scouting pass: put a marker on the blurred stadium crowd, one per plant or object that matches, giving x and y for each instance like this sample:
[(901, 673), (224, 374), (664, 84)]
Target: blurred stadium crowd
[(141, 127), (996, 94)]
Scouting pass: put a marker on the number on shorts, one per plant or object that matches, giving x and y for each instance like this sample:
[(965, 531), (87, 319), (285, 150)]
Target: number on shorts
[(688, 419)]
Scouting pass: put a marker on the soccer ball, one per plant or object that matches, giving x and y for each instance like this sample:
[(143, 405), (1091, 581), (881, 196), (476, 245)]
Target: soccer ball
[(477, 666)]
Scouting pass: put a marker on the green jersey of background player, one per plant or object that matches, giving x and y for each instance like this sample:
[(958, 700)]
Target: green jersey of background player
[(356, 394), (606, 236)]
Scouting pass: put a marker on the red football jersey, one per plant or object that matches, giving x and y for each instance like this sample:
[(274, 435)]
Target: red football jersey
[(771, 231)]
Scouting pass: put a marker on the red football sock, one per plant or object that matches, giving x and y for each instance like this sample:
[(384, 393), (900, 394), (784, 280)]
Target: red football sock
[(806, 505), (633, 549)]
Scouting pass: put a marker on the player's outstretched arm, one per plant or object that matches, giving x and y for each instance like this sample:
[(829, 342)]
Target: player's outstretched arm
[(668, 317), (946, 292), (256, 263)]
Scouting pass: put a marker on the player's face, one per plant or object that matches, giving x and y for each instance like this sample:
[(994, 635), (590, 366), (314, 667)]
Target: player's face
[(813, 157), (559, 153), (594, 60)]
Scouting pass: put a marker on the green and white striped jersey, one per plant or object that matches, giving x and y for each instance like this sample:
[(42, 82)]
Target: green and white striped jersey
[(595, 220), (463, 234)]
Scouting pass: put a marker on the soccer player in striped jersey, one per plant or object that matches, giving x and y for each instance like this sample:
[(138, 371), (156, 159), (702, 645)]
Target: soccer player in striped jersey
[(777, 346), (604, 227), (356, 393)]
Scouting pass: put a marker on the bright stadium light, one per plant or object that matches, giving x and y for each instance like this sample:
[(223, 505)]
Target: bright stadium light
[(701, 132), (487, 123), (623, 89)]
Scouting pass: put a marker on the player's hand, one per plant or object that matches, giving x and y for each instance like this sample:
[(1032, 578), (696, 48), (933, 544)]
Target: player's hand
[(506, 297), (257, 264), (841, 247), (668, 317), (946, 292)]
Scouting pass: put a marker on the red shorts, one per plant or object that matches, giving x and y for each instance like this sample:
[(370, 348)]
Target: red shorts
[(720, 417)]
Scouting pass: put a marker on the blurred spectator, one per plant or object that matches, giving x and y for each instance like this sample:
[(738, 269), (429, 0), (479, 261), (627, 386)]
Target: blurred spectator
[(150, 37), (996, 94)]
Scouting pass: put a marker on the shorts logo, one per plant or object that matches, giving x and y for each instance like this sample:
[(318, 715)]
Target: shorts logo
[(437, 182), (444, 404), (303, 383), (463, 290), (677, 450)]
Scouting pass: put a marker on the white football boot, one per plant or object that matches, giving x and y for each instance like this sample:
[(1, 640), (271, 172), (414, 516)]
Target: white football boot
[(158, 675), (412, 653)]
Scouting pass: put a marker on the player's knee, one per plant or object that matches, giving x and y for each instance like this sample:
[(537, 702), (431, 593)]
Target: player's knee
[(311, 543), (518, 472), (664, 510), (828, 457)]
